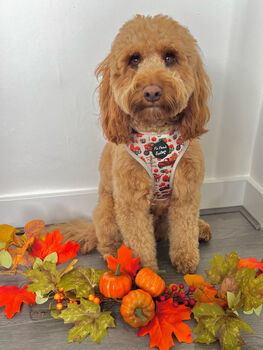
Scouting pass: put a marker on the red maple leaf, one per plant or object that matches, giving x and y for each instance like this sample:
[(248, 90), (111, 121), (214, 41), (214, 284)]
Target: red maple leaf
[(12, 297), (51, 244), (167, 321), (128, 265), (251, 263)]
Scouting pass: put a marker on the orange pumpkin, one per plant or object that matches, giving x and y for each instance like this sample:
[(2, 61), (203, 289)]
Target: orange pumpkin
[(149, 281), (137, 308), (115, 285)]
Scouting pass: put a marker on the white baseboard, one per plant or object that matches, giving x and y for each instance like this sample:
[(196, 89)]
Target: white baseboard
[(253, 200), (224, 192), (54, 207)]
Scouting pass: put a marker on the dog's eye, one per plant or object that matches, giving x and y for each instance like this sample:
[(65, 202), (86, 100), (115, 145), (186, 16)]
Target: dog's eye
[(169, 58), (134, 60)]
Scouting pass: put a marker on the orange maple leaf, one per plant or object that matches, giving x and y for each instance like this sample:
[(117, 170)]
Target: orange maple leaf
[(167, 321), (251, 263), (12, 297), (128, 265), (204, 291), (51, 244)]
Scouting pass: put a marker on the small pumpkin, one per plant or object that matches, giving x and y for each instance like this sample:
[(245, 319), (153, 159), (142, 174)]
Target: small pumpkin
[(149, 281), (115, 285), (137, 308)]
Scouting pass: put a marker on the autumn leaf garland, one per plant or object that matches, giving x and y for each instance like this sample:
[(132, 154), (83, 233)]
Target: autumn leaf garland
[(233, 284)]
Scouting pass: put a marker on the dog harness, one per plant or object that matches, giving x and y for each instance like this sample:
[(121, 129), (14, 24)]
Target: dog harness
[(159, 154)]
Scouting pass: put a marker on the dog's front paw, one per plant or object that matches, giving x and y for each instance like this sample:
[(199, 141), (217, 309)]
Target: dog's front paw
[(185, 261)]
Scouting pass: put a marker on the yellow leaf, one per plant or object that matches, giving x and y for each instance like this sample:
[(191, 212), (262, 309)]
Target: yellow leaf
[(7, 234)]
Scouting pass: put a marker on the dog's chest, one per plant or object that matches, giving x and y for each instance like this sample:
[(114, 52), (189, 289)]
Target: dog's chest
[(159, 154)]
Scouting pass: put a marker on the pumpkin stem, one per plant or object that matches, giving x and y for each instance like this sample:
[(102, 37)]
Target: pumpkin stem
[(117, 272), (138, 312)]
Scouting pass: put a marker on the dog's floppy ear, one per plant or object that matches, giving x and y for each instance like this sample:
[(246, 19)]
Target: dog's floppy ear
[(196, 114), (115, 123)]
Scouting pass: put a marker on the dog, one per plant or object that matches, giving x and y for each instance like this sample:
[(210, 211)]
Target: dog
[(153, 99)]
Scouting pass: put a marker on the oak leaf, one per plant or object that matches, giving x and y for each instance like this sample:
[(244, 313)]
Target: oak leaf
[(88, 319), (166, 322), (128, 264), (7, 234), (53, 243), (20, 256), (12, 297)]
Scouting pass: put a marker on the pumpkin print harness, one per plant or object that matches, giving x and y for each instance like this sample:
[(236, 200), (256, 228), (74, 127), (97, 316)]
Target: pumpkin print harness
[(159, 154)]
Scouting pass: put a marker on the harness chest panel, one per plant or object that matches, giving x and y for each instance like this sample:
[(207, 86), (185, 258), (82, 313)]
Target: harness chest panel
[(159, 155)]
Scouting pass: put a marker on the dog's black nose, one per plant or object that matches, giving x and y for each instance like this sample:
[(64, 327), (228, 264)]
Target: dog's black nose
[(152, 93)]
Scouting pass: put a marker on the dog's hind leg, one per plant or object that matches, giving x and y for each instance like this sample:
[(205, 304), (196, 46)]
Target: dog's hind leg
[(205, 231)]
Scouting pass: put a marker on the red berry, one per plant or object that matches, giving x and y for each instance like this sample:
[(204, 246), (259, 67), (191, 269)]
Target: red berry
[(181, 286), (186, 302), (162, 298), (58, 301), (192, 302), (191, 289), (182, 295), (174, 287), (166, 291), (175, 304)]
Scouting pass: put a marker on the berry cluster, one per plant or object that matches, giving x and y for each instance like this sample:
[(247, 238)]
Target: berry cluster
[(179, 295), (95, 300)]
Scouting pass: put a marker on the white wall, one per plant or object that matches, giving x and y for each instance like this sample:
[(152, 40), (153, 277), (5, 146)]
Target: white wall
[(50, 138)]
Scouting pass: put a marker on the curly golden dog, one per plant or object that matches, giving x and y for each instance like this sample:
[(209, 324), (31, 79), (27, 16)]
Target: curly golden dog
[(153, 88)]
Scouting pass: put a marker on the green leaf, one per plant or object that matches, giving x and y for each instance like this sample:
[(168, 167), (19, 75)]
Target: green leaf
[(82, 279), (88, 319), (5, 259), (216, 324), (250, 287), (44, 278), (222, 267), (37, 263), (232, 299), (40, 299), (53, 258)]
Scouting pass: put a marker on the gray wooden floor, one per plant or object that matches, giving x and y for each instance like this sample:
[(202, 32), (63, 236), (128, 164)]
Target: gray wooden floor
[(34, 329)]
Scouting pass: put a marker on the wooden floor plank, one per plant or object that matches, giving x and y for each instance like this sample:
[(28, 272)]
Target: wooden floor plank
[(34, 329)]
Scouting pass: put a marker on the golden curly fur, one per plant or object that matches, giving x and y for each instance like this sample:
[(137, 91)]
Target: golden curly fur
[(149, 51)]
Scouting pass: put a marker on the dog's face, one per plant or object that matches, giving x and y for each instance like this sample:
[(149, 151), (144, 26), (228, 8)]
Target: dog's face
[(153, 76)]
